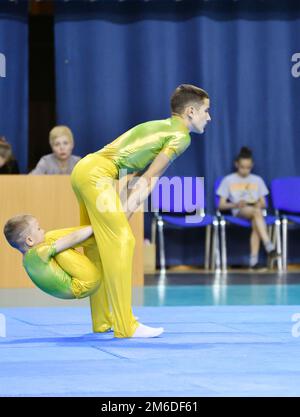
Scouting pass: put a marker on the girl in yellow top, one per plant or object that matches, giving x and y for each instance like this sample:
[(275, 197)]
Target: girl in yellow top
[(156, 143)]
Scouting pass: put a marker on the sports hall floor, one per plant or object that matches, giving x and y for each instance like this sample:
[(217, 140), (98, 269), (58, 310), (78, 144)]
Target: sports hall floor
[(225, 335)]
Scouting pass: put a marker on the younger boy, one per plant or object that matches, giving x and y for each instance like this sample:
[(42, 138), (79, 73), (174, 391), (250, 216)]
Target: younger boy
[(50, 259)]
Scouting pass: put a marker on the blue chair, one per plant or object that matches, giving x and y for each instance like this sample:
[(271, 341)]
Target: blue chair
[(286, 201), (178, 211), (273, 223)]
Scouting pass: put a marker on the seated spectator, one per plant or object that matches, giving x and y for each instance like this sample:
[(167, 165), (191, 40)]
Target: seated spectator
[(61, 161), (244, 194), (8, 163)]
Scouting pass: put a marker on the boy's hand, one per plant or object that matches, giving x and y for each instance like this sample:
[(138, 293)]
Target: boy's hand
[(146, 182)]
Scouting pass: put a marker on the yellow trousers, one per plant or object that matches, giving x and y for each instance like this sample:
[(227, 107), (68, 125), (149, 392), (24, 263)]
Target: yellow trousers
[(84, 273), (93, 183)]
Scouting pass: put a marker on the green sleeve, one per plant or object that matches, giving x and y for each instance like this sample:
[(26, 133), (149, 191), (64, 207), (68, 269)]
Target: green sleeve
[(175, 145), (46, 251)]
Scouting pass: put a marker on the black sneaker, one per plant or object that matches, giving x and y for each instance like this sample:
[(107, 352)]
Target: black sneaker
[(258, 268), (272, 255)]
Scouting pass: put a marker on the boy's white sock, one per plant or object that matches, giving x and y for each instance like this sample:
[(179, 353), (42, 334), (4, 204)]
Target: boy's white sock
[(146, 331)]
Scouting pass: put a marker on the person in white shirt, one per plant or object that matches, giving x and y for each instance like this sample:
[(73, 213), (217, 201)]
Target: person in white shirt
[(244, 194)]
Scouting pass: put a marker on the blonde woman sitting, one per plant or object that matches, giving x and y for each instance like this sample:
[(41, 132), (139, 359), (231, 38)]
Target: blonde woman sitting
[(60, 161)]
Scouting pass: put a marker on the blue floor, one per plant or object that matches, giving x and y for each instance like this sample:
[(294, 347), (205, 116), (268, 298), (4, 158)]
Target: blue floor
[(205, 351)]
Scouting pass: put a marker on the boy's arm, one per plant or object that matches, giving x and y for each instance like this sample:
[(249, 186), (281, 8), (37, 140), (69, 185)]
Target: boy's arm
[(146, 182), (73, 239), (56, 234), (127, 184)]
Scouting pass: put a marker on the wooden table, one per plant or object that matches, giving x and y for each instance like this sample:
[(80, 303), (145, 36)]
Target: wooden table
[(49, 198)]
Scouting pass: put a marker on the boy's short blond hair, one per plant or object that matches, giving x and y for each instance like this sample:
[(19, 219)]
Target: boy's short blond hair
[(58, 131), (15, 230)]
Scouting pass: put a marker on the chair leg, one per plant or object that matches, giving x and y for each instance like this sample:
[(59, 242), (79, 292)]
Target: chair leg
[(223, 245), (284, 223), (212, 251), (207, 246), (153, 235), (271, 234), (216, 248), (278, 244), (153, 230), (162, 258)]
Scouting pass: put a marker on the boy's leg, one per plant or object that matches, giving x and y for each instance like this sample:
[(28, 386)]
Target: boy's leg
[(99, 303), (115, 243), (85, 276)]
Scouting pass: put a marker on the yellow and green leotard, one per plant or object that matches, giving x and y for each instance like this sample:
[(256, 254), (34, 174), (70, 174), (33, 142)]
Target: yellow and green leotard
[(68, 274), (137, 147), (93, 183)]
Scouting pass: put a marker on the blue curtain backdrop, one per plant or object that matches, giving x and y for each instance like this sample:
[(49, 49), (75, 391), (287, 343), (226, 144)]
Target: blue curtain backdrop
[(118, 63), (14, 86)]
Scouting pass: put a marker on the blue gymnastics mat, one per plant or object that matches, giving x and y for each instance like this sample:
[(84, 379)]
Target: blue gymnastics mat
[(205, 351)]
